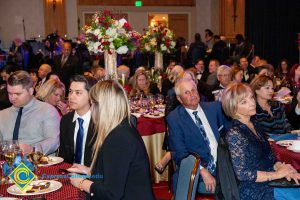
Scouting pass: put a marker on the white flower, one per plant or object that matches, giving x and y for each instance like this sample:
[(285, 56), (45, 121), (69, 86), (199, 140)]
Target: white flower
[(111, 46), (122, 21), (153, 42), (173, 43), (163, 47), (111, 32), (97, 32), (96, 45), (121, 31), (147, 47), (122, 50)]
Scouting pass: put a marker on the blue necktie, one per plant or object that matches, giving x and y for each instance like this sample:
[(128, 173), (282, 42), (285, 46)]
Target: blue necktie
[(79, 141), (210, 165), (17, 125)]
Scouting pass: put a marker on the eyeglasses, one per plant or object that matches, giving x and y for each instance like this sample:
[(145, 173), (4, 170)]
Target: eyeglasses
[(227, 75)]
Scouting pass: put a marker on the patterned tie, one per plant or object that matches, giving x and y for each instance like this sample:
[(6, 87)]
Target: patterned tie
[(211, 166), (79, 141), (64, 60), (17, 125)]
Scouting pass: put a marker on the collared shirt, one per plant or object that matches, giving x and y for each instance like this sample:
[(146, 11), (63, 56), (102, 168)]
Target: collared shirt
[(86, 121), (213, 144), (39, 124)]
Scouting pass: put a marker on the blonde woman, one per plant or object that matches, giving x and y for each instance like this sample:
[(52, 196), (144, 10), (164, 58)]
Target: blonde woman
[(53, 92), (142, 85), (120, 165), (252, 158)]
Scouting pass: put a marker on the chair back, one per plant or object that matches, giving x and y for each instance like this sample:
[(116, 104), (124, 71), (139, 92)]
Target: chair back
[(188, 177)]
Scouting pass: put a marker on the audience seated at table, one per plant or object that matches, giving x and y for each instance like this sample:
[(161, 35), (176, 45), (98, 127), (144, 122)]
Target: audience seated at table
[(195, 126), (53, 92), (269, 114), (76, 127), (142, 85), (119, 157), (28, 120), (253, 161)]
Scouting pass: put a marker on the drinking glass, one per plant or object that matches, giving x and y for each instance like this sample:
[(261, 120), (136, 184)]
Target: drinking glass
[(152, 102), (9, 153), (36, 155), (160, 99)]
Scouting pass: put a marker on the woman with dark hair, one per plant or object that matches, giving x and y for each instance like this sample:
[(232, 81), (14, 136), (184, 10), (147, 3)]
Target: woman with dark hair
[(283, 69), (269, 114)]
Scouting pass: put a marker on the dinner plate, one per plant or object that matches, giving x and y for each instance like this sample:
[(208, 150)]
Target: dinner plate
[(54, 185), (294, 150), (295, 131), (285, 143), (159, 115), (52, 160)]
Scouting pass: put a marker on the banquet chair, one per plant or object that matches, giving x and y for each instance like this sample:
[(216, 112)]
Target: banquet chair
[(188, 177)]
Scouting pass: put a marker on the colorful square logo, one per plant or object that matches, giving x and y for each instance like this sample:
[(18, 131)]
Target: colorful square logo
[(22, 176)]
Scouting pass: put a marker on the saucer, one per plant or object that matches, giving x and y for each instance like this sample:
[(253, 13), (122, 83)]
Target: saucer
[(294, 150)]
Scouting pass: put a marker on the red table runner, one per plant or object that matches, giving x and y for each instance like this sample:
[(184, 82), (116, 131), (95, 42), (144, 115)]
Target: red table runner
[(150, 126), (66, 192), (287, 156)]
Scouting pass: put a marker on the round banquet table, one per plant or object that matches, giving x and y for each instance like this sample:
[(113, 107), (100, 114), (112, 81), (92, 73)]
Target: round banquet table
[(66, 192), (153, 131), (287, 156)]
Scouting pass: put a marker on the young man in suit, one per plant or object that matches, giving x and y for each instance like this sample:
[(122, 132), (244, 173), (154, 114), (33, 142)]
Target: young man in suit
[(195, 127), (76, 127)]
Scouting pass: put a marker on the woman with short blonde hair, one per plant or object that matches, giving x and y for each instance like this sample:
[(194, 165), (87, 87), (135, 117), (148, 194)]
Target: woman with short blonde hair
[(53, 92), (120, 163), (252, 158)]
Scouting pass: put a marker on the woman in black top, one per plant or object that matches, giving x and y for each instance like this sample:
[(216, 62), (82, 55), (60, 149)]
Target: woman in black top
[(120, 165)]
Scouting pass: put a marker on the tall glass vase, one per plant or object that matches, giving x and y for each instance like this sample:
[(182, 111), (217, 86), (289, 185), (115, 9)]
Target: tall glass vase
[(110, 61), (158, 62)]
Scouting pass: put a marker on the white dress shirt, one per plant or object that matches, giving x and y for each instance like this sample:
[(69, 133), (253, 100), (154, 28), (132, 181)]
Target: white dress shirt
[(86, 121), (213, 144)]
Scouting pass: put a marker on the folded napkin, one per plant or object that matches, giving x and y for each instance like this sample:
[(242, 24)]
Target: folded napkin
[(287, 136), (7, 170)]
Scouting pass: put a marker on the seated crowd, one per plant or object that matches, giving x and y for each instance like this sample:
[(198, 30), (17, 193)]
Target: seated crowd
[(70, 108)]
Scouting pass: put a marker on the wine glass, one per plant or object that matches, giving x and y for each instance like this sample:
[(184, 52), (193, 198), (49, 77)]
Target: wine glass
[(36, 155), (152, 103), (160, 99), (9, 153)]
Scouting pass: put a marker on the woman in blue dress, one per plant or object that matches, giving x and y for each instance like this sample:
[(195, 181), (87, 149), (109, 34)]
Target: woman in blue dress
[(253, 161)]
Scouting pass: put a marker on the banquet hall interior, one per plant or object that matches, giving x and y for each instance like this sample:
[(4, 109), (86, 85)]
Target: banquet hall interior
[(159, 57)]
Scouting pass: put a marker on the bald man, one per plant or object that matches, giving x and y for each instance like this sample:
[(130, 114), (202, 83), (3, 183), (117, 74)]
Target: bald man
[(43, 71), (66, 65)]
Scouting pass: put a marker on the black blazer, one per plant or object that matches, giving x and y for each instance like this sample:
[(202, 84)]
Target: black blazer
[(122, 167), (66, 148), (65, 72)]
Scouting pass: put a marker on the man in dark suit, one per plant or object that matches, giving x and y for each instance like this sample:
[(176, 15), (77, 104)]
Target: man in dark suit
[(66, 65), (195, 127), (76, 127)]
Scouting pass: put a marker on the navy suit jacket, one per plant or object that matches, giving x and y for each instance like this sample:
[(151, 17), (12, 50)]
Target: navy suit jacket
[(184, 137)]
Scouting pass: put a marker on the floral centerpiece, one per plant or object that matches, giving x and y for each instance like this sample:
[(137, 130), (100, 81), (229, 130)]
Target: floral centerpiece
[(110, 36), (158, 39)]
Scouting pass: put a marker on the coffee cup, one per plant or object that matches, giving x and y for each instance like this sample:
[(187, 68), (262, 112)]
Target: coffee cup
[(296, 145)]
